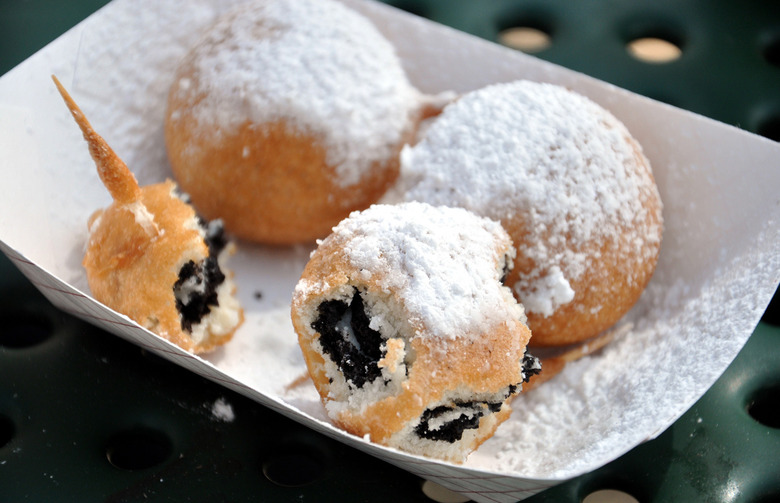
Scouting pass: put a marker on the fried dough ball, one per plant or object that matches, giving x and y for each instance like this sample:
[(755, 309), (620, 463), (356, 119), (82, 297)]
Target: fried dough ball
[(287, 116), (407, 332), (570, 185), (151, 258)]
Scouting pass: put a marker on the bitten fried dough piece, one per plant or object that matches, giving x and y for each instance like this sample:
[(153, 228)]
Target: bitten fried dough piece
[(570, 185), (408, 334), (150, 257), (287, 116)]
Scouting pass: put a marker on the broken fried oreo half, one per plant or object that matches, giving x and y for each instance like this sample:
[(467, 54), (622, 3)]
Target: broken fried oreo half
[(151, 258), (408, 333)]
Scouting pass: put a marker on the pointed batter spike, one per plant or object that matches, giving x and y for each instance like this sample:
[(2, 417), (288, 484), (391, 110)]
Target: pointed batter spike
[(113, 172)]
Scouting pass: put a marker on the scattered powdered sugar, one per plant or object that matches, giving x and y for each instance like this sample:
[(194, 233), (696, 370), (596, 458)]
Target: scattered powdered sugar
[(315, 64), (680, 340), (221, 410), (445, 263), (543, 152), (125, 65)]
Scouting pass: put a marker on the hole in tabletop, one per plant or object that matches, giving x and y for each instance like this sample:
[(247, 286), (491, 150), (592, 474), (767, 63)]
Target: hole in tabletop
[(18, 331), (764, 406), (294, 465), (138, 448), (609, 496), (771, 50), (654, 50), (441, 494), (772, 497), (7, 430), (769, 127), (528, 39), (652, 37)]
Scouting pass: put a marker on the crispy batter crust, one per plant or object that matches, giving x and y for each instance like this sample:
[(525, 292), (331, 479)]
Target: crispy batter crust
[(113, 172), (266, 183)]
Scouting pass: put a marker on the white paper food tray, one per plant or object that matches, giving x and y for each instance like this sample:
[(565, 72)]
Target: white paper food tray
[(720, 261)]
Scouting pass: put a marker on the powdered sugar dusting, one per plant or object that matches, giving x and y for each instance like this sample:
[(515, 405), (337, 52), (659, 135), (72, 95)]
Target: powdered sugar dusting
[(316, 64), (542, 434), (546, 153), (444, 262)]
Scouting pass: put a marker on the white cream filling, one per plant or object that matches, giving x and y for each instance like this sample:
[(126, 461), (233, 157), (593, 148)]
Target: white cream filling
[(223, 317), (443, 419)]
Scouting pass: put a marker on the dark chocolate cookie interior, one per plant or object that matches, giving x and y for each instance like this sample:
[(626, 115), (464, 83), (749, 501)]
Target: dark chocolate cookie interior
[(452, 431), (506, 268), (346, 337), (196, 288), (471, 412), (531, 366)]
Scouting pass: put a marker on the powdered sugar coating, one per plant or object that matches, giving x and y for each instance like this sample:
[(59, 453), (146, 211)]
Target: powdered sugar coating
[(445, 263), (550, 155), (317, 65)]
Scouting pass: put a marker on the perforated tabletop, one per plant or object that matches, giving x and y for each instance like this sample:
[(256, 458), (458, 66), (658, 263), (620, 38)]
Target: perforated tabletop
[(86, 416)]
